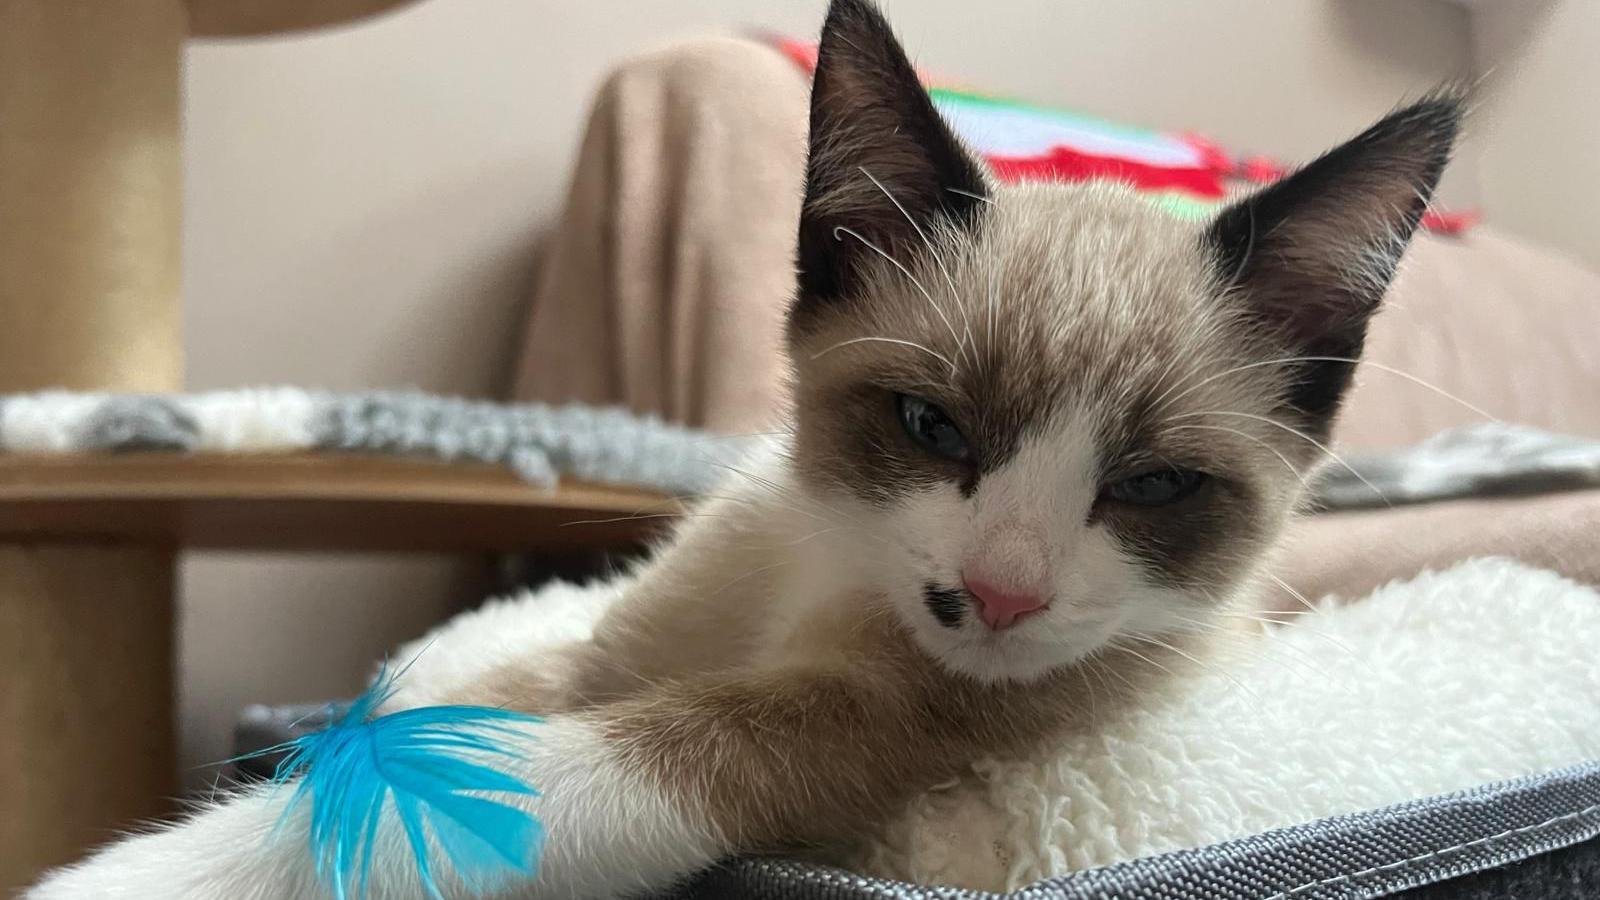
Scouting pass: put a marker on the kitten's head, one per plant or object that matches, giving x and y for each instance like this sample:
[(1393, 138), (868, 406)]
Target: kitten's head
[(1069, 417)]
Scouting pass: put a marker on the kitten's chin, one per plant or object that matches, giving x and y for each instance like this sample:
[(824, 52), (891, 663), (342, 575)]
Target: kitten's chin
[(1014, 655)]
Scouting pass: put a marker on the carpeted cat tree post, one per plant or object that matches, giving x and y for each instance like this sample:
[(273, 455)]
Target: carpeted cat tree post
[(90, 213)]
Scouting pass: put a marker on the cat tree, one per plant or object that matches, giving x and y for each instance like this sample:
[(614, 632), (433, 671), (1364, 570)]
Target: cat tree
[(90, 212)]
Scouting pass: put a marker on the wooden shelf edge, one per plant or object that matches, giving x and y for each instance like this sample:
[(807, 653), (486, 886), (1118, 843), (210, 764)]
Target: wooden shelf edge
[(313, 501)]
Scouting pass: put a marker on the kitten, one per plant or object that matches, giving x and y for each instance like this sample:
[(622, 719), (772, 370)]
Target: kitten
[(1041, 436)]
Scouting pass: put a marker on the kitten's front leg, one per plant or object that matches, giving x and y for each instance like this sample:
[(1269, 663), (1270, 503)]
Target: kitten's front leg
[(611, 829), (636, 793), (640, 792)]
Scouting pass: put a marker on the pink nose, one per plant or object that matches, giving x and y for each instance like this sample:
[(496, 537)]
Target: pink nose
[(1002, 609)]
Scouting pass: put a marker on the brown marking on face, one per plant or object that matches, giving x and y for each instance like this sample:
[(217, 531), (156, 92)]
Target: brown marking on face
[(1202, 542), (1196, 543), (1065, 333), (855, 442)]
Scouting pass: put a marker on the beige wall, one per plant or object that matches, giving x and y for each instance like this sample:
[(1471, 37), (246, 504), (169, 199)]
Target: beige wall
[(363, 204), (1539, 124)]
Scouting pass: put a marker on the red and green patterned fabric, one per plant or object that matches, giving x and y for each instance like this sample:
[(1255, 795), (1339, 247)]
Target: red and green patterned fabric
[(1185, 173)]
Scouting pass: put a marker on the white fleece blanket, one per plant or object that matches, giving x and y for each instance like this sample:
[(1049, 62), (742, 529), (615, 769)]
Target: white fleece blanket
[(1487, 671)]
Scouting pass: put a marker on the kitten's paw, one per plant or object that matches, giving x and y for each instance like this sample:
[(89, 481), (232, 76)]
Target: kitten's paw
[(94, 878), (233, 850)]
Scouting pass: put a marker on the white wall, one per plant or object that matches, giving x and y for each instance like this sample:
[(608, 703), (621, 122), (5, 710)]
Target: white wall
[(1539, 124), (363, 204)]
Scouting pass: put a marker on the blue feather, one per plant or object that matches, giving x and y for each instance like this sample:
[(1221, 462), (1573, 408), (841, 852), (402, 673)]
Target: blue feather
[(435, 763)]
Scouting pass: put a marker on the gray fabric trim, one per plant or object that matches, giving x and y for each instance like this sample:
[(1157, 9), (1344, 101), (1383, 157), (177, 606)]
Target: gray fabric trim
[(1570, 873), (1491, 459), (140, 423), (538, 441), (1371, 854)]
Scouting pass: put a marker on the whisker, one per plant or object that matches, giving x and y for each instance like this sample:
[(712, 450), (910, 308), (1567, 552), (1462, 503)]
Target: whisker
[(978, 197), (1290, 360), (1110, 670), (1310, 607), (1198, 662), (1311, 610), (966, 326), (1301, 435), (1089, 669), (683, 505), (796, 541), (1249, 247), (1250, 437), (884, 340), (776, 492), (1276, 617), (1137, 655), (1247, 648), (1414, 380), (751, 574), (780, 492), (938, 310), (639, 517), (994, 293), (872, 616)]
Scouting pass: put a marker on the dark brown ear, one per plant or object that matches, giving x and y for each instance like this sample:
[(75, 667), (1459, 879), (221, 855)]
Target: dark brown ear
[(876, 141), (1313, 254)]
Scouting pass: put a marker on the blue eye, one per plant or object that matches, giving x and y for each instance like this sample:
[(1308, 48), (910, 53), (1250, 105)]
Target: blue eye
[(931, 428), (1160, 487)]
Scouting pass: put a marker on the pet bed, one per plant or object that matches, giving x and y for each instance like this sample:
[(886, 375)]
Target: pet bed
[(1442, 731)]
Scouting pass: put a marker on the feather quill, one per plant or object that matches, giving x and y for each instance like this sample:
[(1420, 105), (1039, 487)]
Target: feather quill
[(437, 765)]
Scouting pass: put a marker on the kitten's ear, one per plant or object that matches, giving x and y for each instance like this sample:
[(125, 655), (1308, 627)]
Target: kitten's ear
[(1313, 254), (880, 157)]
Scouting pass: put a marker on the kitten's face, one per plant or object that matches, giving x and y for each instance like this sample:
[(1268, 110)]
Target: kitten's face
[(1067, 415), (1077, 344)]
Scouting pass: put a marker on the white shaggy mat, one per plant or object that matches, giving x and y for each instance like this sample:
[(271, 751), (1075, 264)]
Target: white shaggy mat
[(1484, 672)]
